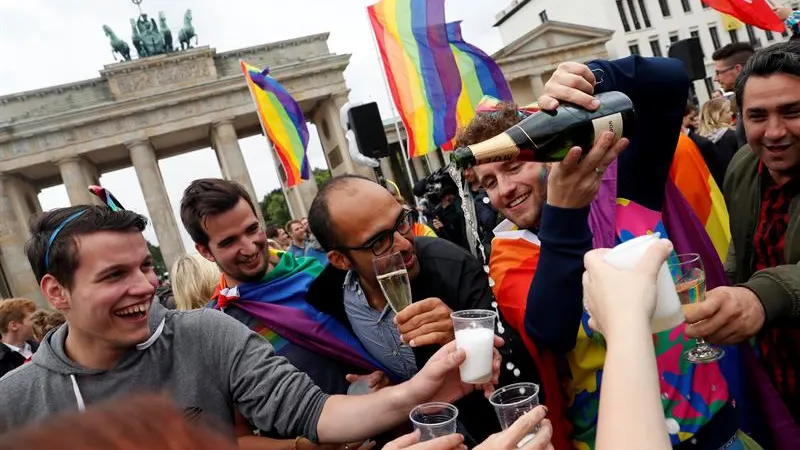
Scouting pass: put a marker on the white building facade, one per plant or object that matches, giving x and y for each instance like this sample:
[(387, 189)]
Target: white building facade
[(644, 27)]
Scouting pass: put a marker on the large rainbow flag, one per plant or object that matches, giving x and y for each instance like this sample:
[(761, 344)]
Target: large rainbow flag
[(283, 121), (420, 68), (690, 174), (480, 76)]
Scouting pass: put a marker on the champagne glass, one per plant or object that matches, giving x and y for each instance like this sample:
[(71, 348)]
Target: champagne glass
[(690, 282), (393, 278)]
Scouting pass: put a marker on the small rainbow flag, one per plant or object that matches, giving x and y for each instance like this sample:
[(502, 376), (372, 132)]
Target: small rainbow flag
[(690, 174), (480, 76), (420, 68), (283, 121)]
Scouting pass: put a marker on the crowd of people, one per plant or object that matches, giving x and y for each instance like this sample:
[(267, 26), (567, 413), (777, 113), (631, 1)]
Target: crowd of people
[(274, 326)]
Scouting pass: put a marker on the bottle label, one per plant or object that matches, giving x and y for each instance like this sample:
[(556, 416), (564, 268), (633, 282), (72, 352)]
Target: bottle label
[(611, 123)]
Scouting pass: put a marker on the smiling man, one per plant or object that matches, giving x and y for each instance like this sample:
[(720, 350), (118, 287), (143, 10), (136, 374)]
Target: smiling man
[(762, 190), (357, 220), (93, 265)]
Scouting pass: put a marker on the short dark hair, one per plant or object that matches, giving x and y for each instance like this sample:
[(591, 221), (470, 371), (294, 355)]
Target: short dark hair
[(778, 58), (288, 227), (63, 258), (319, 215), (209, 197), (690, 108), (272, 231), (488, 124), (735, 53)]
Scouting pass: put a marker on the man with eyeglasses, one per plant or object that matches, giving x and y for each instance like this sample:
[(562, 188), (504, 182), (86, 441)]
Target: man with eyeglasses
[(357, 220), (728, 64)]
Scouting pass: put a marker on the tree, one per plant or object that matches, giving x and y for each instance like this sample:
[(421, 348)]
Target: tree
[(158, 259), (321, 176), (274, 208)]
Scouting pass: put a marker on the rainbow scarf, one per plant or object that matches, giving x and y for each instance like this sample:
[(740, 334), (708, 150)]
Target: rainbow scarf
[(278, 303), (690, 174)]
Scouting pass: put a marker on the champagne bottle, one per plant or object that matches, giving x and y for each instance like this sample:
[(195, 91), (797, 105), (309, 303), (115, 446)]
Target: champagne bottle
[(548, 136)]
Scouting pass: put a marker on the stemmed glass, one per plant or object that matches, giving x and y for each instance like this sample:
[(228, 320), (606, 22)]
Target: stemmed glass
[(393, 279), (690, 281)]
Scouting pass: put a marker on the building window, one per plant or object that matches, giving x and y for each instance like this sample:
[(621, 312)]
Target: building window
[(751, 36), (622, 16), (714, 37), (696, 34), (770, 36), (645, 16), (734, 35), (634, 49), (673, 38), (664, 8), (634, 15), (709, 86), (686, 6), (655, 46), (543, 16)]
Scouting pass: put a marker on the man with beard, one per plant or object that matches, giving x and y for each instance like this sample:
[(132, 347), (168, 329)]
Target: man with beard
[(537, 257), (357, 220)]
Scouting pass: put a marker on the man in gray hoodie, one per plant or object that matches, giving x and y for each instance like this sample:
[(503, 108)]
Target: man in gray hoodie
[(93, 265)]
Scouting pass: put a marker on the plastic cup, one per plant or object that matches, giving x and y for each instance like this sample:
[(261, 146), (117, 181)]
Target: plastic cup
[(625, 256), (434, 420), (514, 401), (474, 330)]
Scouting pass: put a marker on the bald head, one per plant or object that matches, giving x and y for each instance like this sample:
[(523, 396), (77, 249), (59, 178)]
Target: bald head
[(345, 206)]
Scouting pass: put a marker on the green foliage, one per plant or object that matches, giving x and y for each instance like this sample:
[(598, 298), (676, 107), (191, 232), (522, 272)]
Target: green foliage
[(274, 208), (158, 259), (321, 176)]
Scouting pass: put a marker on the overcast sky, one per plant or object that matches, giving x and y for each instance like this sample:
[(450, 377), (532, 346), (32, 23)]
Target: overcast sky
[(49, 42)]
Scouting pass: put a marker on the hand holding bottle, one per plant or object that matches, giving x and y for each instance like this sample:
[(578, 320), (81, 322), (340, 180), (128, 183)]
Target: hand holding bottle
[(573, 183), (572, 83)]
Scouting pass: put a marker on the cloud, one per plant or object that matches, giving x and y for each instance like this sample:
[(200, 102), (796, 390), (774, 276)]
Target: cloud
[(46, 43)]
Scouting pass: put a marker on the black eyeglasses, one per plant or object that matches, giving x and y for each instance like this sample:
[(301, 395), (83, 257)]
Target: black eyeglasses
[(384, 241)]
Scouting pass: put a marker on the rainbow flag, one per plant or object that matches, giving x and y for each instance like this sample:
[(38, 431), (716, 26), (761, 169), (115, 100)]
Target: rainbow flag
[(690, 174), (420, 68), (480, 76), (283, 121)]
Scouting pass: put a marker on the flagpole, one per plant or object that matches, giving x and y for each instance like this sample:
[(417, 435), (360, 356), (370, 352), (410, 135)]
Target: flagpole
[(271, 147), (395, 113)]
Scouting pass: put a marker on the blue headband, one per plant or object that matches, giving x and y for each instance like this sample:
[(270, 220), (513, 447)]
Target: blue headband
[(55, 235)]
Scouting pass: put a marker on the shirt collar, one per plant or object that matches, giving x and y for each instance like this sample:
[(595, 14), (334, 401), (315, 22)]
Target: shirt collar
[(25, 348), (353, 285)]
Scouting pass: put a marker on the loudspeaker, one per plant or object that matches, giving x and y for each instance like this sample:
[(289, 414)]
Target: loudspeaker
[(365, 121), (690, 53)]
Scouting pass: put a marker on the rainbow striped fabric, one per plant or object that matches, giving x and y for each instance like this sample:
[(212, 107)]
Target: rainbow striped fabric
[(420, 68), (690, 174), (480, 77), (283, 121)]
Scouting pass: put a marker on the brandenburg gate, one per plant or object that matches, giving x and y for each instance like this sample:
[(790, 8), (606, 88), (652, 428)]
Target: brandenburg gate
[(139, 111)]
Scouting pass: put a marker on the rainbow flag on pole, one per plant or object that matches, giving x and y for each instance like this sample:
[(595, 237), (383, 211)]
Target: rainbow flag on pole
[(480, 76), (420, 68), (282, 120)]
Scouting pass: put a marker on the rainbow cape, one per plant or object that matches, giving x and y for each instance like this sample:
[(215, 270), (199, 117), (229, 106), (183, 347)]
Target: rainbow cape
[(278, 303), (420, 68), (480, 77), (690, 174), (282, 120)]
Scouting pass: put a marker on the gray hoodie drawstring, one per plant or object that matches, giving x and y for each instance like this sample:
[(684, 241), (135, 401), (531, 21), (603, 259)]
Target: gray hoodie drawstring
[(78, 396), (143, 346)]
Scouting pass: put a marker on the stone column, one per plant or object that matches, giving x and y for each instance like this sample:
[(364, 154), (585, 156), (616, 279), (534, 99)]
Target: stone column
[(231, 161), (537, 85), (13, 234), (334, 142), (418, 166), (155, 196), (434, 160), (76, 179)]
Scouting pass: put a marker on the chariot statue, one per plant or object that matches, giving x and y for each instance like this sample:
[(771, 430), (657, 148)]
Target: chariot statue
[(150, 38)]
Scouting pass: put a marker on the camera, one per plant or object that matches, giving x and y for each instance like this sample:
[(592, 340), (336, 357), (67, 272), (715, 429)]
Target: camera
[(432, 189)]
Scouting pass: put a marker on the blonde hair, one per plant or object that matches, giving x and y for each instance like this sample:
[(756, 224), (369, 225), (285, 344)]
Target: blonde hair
[(44, 320), (193, 279), (711, 116), (14, 310)]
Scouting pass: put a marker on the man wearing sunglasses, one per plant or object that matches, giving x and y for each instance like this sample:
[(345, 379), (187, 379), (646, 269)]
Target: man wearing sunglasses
[(357, 220)]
